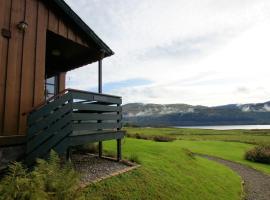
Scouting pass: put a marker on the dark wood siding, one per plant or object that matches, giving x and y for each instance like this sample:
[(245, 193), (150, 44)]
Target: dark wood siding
[(13, 73), (5, 7), (28, 64), (22, 59)]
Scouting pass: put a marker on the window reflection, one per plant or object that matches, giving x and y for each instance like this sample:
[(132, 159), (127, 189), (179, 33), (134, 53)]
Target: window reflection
[(51, 80), (51, 87)]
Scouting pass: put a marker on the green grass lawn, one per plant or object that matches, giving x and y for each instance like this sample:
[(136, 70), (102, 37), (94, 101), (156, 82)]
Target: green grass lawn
[(167, 172)]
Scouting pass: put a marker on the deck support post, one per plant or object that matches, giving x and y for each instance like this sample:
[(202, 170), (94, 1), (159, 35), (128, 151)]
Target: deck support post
[(119, 143), (100, 148), (119, 150), (100, 76), (100, 91)]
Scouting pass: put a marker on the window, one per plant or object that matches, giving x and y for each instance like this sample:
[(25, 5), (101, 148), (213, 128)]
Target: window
[(51, 87)]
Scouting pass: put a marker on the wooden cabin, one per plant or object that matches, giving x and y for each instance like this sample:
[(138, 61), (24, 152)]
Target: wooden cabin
[(40, 41)]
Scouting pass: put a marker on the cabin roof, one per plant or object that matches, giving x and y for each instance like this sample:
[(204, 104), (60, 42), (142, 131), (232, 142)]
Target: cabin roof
[(64, 8)]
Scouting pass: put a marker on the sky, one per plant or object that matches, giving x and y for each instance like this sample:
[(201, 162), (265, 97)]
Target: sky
[(199, 52)]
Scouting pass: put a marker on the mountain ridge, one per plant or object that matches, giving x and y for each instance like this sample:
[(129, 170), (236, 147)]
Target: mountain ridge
[(184, 114)]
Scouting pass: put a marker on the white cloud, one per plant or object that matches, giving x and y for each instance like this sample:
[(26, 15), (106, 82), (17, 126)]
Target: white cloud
[(193, 51)]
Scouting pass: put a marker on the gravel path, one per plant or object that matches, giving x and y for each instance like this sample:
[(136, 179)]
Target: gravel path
[(93, 168), (256, 184)]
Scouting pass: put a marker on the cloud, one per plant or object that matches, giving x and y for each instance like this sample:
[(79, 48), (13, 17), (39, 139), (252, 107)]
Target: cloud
[(183, 49), (243, 90), (190, 51)]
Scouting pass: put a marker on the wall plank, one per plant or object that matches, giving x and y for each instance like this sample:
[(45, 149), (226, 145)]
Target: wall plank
[(14, 70), (42, 23), (5, 7), (28, 63), (53, 22), (71, 34), (63, 30)]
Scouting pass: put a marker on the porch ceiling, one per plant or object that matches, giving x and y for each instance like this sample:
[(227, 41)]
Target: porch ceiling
[(63, 55)]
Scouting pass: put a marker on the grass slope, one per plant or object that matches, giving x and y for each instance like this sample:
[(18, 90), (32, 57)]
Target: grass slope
[(167, 172)]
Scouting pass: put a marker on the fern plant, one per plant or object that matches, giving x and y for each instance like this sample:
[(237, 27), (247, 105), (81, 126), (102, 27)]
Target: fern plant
[(19, 184), (49, 180)]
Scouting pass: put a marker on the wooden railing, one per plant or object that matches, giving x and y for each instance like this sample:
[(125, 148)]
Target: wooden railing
[(96, 112), (71, 114)]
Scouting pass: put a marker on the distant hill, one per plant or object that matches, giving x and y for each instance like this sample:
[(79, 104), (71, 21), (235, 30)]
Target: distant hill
[(188, 115)]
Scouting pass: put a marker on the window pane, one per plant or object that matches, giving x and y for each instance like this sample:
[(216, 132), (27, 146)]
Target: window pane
[(51, 80), (50, 89)]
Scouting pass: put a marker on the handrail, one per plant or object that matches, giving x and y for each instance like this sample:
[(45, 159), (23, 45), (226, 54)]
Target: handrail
[(44, 102), (95, 93), (61, 93)]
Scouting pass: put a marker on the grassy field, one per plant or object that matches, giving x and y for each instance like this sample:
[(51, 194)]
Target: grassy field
[(245, 136), (170, 171), (167, 172)]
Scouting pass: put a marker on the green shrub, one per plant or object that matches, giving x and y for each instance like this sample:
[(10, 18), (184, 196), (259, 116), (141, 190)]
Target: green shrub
[(140, 136), (48, 180), (161, 138), (143, 137), (259, 153), (158, 138)]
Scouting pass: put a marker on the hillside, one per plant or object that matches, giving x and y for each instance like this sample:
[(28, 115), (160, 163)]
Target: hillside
[(188, 115)]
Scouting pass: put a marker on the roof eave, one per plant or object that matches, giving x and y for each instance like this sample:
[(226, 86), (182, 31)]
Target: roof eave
[(83, 26)]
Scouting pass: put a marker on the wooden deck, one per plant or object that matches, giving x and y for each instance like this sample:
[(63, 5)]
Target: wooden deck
[(73, 118)]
